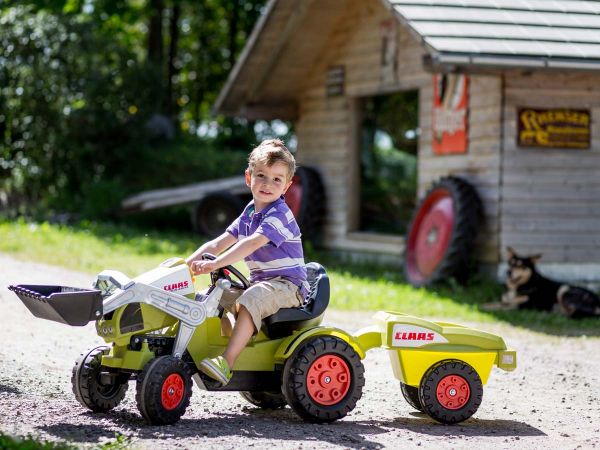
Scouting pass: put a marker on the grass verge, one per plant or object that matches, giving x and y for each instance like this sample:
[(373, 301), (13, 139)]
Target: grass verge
[(92, 247)]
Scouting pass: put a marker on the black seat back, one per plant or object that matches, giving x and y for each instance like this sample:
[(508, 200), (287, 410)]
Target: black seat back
[(287, 320)]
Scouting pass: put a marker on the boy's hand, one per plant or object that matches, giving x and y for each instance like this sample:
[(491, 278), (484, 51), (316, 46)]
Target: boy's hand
[(201, 267)]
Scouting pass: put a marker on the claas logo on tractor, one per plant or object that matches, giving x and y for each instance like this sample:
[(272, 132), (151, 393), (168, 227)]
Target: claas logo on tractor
[(176, 286)]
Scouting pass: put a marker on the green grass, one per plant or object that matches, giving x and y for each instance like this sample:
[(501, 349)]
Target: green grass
[(92, 247)]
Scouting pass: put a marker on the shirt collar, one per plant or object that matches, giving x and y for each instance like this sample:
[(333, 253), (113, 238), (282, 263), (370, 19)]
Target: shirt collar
[(250, 210)]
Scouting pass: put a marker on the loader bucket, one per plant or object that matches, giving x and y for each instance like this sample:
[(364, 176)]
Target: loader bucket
[(69, 305)]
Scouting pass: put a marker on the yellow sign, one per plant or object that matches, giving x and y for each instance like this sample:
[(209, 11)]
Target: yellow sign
[(553, 128)]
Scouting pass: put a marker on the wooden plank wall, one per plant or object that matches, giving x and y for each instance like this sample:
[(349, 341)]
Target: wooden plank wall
[(551, 197), (480, 165), (327, 125)]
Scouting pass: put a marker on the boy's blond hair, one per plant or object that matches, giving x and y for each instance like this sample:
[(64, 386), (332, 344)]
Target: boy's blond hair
[(271, 151)]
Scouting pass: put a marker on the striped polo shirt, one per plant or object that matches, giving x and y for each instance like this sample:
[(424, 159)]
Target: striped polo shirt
[(282, 256)]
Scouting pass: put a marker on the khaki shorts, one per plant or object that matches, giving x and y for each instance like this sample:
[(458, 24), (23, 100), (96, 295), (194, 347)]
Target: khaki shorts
[(263, 299)]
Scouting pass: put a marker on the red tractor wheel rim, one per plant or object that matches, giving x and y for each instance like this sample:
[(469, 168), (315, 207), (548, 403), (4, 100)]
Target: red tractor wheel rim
[(430, 234), (172, 391), (328, 380), (453, 392), (293, 196)]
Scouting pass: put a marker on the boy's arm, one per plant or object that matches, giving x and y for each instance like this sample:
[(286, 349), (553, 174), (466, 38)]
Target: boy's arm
[(216, 246), (236, 253)]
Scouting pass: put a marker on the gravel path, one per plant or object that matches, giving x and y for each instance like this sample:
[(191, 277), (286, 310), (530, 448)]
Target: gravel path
[(551, 401)]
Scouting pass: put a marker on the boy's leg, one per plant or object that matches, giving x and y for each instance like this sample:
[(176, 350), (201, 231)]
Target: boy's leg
[(242, 332)]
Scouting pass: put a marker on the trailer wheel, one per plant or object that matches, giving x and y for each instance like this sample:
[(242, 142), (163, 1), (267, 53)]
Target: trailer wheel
[(164, 389), (411, 395), (215, 212), (442, 232), (306, 199), (451, 391), (265, 400), (323, 379), (88, 387)]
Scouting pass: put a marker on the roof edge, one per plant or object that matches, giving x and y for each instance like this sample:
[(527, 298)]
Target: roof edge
[(451, 62)]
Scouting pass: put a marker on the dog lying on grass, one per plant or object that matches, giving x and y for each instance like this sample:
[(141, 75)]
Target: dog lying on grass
[(526, 288)]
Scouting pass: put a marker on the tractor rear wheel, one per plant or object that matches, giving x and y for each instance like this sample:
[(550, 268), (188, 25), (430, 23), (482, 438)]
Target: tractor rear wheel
[(215, 212), (164, 389), (442, 233), (323, 379), (306, 199), (93, 390)]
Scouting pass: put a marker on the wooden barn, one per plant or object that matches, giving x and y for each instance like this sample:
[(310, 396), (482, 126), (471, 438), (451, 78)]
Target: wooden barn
[(506, 95)]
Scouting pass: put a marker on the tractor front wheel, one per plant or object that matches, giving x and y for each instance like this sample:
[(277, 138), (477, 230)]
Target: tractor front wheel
[(451, 391), (93, 390), (164, 389), (323, 379)]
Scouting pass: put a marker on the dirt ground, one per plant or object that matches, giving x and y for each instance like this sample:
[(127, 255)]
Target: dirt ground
[(551, 401)]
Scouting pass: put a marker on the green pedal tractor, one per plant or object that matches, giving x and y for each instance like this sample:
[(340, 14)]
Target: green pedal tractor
[(158, 328)]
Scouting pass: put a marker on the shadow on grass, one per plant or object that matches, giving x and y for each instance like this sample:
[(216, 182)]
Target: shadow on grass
[(283, 425), (479, 290)]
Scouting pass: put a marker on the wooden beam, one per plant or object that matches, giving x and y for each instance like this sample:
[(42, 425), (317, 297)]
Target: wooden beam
[(266, 111)]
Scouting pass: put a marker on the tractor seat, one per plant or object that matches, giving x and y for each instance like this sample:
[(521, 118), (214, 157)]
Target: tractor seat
[(287, 320)]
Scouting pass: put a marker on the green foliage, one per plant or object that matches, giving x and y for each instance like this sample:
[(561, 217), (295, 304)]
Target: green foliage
[(68, 121), (90, 112)]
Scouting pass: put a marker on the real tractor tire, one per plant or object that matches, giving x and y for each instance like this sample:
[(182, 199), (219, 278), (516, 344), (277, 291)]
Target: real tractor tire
[(450, 391), (164, 388), (411, 395), (306, 199), (442, 233), (265, 400), (88, 386), (215, 213), (323, 379)]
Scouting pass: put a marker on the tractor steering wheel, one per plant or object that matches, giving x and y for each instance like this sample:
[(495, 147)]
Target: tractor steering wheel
[(225, 272)]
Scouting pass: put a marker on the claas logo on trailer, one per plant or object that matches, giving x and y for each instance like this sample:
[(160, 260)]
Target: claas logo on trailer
[(404, 335)]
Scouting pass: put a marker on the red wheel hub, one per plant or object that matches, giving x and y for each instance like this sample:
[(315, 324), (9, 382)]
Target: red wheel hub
[(453, 392), (293, 196), (430, 234), (328, 380), (172, 391)]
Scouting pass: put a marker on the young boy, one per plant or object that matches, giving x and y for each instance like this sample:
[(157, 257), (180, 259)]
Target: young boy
[(267, 237)]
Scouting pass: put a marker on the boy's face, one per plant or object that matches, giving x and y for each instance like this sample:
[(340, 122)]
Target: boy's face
[(268, 183)]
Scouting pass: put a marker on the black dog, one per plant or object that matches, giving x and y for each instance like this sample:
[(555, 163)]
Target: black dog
[(526, 288)]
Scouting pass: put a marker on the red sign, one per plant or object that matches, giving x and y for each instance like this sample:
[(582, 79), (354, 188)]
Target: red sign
[(449, 126)]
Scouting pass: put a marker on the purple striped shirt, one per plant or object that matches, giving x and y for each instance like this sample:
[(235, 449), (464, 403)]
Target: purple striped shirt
[(282, 256)]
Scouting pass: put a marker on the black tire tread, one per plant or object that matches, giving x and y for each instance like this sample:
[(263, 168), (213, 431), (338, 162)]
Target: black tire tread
[(265, 400), (411, 395), (85, 384)]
